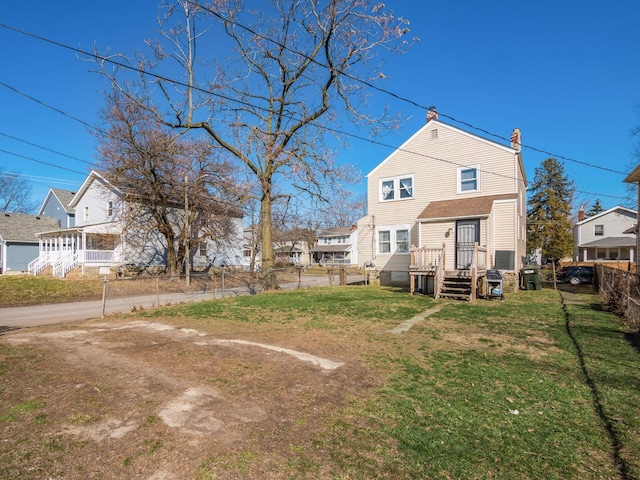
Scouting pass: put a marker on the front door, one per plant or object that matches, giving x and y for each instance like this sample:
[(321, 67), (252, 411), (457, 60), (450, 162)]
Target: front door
[(467, 235)]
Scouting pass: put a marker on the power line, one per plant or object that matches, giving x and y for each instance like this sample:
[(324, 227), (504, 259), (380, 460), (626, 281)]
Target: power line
[(393, 94), (244, 103), (38, 179), (45, 148), (352, 77), (248, 104), (40, 161), (44, 104)]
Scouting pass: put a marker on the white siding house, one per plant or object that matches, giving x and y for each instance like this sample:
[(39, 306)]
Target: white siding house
[(337, 246), (454, 199), (100, 237), (602, 237)]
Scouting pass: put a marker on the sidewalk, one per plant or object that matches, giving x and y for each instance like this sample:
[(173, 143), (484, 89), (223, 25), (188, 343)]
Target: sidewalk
[(37, 315)]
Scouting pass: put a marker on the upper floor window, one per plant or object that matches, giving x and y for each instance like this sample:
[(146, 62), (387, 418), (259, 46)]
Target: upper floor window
[(86, 212), (468, 179), (326, 240), (598, 230), (109, 209), (398, 188), (203, 249)]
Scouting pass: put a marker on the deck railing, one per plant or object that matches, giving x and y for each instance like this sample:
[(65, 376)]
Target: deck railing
[(479, 263), (426, 258)]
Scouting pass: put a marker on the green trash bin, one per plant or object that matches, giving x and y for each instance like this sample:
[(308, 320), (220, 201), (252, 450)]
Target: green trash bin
[(530, 276)]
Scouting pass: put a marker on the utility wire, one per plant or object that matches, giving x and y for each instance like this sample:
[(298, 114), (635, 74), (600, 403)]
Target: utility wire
[(40, 161), (248, 104), (45, 148), (200, 89), (33, 178), (393, 94)]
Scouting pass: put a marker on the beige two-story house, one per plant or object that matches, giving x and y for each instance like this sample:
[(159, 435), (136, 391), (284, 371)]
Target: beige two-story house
[(447, 204)]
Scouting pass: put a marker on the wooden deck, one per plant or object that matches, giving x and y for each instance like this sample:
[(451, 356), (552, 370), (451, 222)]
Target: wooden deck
[(429, 263)]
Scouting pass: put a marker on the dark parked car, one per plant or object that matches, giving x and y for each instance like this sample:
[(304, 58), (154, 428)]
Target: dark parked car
[(575, 275)]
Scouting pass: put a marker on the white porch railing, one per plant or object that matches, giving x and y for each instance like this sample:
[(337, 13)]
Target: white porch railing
[(65, 261), (97, 256), (65, 264), (39, 264)]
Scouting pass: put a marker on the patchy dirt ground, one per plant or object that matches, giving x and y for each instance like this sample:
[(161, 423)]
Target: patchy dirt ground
[(137, 399)]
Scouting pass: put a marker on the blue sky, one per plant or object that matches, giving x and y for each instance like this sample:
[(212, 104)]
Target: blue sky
[(566, 72)]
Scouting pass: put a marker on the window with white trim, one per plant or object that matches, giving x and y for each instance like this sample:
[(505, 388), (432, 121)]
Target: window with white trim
[(86, 212), (397, 188), (384, 241), (402, 241), (202, 251), (109, 209), (468, 179), (393, 239), (598, 230)]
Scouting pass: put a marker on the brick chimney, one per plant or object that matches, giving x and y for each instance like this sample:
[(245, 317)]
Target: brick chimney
[(581, 213), (516, 141), (432, 114)]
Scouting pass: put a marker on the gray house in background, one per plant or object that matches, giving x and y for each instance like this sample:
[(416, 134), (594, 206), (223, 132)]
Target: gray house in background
[(56, 205), (18, 241)]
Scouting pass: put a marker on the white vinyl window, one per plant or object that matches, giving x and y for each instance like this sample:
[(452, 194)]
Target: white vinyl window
[(393, 239), (109, 209), (402, 241), (397, 188), (468, 179), (598, 230), (384, 241), (86, 212)]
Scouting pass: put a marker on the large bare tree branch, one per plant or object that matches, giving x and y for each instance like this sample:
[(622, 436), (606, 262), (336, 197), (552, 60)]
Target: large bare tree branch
[(292, 69)]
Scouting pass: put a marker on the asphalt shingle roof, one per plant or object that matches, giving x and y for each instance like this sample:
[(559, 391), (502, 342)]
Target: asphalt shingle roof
[(611, 242), (462, 207), (335, 232), (22, 227), (65, 197)]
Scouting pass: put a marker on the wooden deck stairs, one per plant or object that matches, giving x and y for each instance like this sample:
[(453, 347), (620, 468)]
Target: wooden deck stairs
[(457, 285)]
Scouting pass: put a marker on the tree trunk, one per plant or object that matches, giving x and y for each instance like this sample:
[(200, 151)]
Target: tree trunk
[(269, 274)]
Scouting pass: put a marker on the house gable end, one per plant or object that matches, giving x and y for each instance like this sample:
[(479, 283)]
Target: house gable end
[(425, 129)]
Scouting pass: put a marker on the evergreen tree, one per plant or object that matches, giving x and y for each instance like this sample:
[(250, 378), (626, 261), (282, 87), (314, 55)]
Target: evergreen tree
[(548, 217), (595, 209)]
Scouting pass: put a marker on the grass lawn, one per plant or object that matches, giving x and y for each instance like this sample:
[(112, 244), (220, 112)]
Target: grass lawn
[(522, 388)]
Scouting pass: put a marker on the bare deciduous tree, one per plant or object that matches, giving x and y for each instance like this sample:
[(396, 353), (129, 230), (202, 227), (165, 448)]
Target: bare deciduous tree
[(175, 186), (277, 101), (15, 194)]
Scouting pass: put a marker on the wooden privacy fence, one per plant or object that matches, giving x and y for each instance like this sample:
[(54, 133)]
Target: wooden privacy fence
[(621, 293)]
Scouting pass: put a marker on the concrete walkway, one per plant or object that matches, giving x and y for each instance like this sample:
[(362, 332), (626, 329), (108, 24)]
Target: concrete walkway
[(405, 326)]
